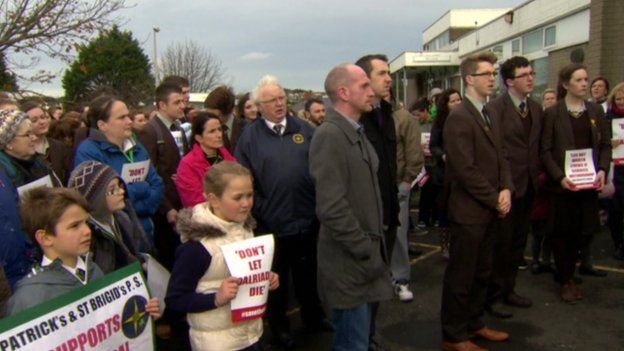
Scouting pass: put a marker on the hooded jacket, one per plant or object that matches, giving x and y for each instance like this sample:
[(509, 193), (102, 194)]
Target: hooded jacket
[(198, 272), (47, 282), (145, 196)]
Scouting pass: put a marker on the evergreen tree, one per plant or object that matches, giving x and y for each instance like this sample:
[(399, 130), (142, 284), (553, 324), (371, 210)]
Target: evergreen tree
[(7, 79), (112, 62)]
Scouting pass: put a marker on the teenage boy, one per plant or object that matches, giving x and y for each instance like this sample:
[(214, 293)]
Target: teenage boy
[(60, 229)]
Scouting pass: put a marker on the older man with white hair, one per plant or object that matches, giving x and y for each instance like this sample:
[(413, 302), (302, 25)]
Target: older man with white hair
[(275, 148)]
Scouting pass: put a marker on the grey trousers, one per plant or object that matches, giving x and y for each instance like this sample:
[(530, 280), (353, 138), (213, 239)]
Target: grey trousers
[(400, 263)]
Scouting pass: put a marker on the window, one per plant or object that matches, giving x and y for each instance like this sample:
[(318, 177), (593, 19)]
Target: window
[(550, 36), (515, 47), (498, 51), (532, 42), (540, 67)]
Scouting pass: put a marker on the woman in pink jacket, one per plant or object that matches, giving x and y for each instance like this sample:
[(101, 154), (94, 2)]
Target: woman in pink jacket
[(207, 150)]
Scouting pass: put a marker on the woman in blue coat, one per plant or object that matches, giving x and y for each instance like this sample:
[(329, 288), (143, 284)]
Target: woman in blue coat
[(112, 143)]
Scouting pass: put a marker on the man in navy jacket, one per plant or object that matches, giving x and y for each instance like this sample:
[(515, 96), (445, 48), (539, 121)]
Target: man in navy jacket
[(275, 149)]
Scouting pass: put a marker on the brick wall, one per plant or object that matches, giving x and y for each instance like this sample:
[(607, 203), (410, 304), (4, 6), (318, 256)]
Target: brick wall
[(560, 58), (605, 52)]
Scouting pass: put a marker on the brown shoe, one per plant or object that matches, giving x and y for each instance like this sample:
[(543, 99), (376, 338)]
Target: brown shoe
[(570, 293), (490, 334), (461, 346)]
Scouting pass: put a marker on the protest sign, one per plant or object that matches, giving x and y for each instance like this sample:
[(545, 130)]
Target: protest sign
[(43, 181), (425, 139), (106, 314), (579, 168), (617, 126), (250, 261), (135, 172)]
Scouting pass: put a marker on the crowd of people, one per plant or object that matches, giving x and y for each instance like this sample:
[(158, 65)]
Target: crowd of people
[(331, 183)]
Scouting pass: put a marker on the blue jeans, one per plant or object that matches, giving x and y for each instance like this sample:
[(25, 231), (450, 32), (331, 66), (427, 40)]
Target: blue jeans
[(352, 328)]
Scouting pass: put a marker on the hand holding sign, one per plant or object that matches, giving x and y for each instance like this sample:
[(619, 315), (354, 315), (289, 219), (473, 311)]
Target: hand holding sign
[(227, 291), (567, 184), (273, 281), (600, 180)]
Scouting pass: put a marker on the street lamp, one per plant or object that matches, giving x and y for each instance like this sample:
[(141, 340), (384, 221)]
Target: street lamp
[(156, 70)]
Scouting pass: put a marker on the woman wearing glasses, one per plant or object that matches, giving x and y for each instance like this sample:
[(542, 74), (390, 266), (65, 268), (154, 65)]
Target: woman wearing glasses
[(573, 124), (17, 152), (112, 143)]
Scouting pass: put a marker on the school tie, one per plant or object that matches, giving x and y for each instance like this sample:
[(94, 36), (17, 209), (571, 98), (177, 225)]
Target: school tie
[(522, 108), (486, 117), (81, 274), (278, 129)]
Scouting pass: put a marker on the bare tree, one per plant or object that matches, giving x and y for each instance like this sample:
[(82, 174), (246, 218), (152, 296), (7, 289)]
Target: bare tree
[(51, 27), (193, 62)]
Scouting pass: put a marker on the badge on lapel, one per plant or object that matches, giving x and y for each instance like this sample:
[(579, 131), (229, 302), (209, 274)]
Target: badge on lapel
[(298, 138)]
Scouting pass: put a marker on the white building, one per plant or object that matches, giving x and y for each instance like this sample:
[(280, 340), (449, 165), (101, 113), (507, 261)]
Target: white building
[(550, 33)]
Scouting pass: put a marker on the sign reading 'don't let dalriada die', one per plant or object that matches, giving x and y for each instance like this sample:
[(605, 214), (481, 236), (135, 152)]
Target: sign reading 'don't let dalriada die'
[(250, 261), (106, 314)]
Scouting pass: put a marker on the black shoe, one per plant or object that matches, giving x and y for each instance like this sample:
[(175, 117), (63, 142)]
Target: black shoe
[(516, 300), (375, 345), (537, 268), (323, 325), (284, 340), (584, 270), (414, 252), (498, 310)]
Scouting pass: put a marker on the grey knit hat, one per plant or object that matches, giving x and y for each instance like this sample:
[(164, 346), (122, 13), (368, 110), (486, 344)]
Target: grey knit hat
[(91, 178), (10, 122)]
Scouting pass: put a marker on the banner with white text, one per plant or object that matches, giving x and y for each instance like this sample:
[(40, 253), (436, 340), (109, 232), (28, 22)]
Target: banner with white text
[(106, 314), (617, 128), (250, 261)]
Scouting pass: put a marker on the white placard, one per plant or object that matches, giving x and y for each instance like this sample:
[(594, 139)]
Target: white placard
[(617, 126), (135, 172), (579, 168), (43, 181), (157, 279), (425, 139), (250, 262)]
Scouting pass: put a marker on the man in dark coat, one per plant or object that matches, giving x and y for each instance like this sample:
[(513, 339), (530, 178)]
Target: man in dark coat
[(480, 192), (379, 129), (166, 143), (275, 148), (520, 120)]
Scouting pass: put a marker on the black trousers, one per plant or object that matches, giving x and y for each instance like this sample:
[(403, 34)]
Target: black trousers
[(466, 278), (572, 220), (509, 246), (296, 255), (389, 238)]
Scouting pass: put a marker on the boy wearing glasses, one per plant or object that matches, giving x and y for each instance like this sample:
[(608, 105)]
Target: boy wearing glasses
[(115, 235), (520, 121), (480, 194)]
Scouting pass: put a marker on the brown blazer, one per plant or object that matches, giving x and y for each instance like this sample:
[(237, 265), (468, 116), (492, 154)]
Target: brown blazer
[(476, 168), (165, 158), (557, 138), (59, 157), (522, 153)]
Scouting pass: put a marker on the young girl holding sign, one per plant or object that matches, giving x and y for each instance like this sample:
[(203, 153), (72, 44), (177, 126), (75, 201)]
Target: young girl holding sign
[(201, 284)]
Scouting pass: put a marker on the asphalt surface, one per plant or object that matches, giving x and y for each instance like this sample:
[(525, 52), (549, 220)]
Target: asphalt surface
[(596, 323)]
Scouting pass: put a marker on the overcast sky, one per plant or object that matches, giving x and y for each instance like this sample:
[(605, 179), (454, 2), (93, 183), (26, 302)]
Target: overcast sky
[(299, 41)]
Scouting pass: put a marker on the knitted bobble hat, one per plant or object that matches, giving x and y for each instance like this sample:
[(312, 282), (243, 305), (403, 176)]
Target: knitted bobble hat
[(91, 179), (10, 122)]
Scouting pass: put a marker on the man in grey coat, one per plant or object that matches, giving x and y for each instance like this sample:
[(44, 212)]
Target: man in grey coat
[(352, 261)]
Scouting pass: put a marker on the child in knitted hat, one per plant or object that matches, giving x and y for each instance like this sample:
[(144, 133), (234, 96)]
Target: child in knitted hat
[(115, 234)]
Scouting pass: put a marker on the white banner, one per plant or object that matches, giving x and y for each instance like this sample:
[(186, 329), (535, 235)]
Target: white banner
[(425, 139), (617, 126), (250, 262), (579, 168), (106, 314), (43, 181), (135, 172)]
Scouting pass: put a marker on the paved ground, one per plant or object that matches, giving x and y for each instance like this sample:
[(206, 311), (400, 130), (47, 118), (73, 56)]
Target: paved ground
[(597, 323)]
